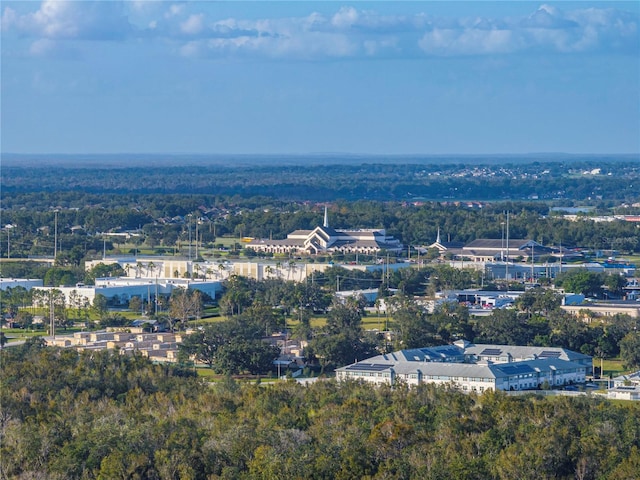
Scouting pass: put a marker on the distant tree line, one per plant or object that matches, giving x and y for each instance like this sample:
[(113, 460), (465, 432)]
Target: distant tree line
[(374, 179), (164, 223)]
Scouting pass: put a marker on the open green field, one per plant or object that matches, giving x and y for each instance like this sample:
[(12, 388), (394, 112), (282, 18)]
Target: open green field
[(226, 242), (611, 367), (19, 334)]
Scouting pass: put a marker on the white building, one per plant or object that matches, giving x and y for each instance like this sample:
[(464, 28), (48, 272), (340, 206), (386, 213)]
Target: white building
[(627, 380), (121, 290), (148, 269), (324, 239), (470, 367), (624, 392)]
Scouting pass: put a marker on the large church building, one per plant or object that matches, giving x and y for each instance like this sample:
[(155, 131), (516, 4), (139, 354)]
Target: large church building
[(325, 240)]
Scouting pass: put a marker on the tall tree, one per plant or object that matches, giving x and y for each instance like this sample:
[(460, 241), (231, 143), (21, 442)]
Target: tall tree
[(630, 350), (184, 305), (410, 320), (581, 281)]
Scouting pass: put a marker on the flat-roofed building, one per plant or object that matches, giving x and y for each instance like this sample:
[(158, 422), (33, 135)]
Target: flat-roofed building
[(624, 392), (603, 309), (489, 249)]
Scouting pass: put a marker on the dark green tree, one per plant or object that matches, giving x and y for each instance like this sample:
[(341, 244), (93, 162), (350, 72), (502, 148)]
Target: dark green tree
[(100, 305), (630, 350), (538, 300), (502, 327), (411, 322), (615, 284), (245, 356), (581, 281)]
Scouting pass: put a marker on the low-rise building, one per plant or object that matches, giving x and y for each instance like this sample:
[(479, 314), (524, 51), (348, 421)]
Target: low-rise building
[(624, 392), (588, 310), (157, 346), (470, 367)]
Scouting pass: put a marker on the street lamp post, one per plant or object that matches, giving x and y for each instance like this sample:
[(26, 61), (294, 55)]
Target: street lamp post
[(190, 215), (55, 235)]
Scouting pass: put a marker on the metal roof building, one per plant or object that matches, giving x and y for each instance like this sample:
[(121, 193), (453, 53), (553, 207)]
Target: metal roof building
[(471, 367)]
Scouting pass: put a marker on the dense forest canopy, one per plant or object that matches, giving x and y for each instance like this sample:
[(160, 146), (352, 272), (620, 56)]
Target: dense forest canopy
[(103, 415)]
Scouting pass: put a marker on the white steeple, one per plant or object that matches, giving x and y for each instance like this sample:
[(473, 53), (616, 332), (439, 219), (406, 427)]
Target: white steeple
[(326, 218), (438, 236)]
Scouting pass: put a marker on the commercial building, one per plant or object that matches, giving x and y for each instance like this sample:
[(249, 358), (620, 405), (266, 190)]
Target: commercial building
[(119, 291), (470, 367)]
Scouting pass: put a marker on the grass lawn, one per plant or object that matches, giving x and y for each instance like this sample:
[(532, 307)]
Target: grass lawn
[(375, 322), (211, 376), (612, 367), (18, 334)]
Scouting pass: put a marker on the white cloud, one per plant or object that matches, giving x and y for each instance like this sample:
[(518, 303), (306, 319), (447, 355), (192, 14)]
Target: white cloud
[(193, 25), (375, 47), (468, 42), (308, 46), (60, 19), (174, 11), (348, 32), (548, 29), (346, 17)]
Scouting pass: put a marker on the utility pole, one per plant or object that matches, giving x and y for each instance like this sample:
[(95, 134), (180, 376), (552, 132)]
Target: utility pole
[(55, 235), (156, 299), (190, 236), (52, 315), (533, 256), (502, 243), (560, 256), (506, 268)]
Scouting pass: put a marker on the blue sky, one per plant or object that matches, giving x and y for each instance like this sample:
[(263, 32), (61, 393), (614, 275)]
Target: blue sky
[(310, 77)]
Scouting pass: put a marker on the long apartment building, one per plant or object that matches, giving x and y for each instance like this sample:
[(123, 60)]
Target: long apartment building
[(471, 367)]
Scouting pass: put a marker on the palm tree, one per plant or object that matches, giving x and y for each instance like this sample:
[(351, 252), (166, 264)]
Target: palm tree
[(222, 268), (207, 273), (151, 267), (269, 270), (291, 266)]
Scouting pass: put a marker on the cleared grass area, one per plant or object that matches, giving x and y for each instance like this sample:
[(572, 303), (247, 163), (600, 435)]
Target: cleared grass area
[(612, 367), (375, 322), (19, 334), (630, 258), (211, 376)]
